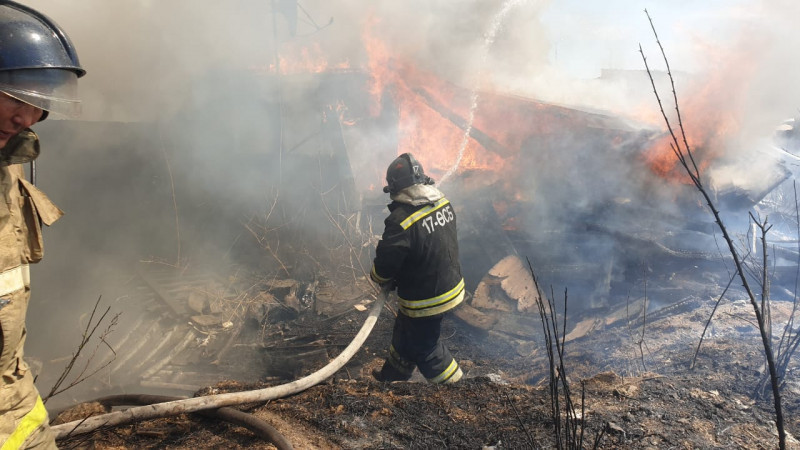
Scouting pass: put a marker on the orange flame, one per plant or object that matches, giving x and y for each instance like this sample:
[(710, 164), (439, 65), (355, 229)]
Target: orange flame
[(707, 129), (294, 58), (378, 65), (342, 110), (421, 99), (711, 113)]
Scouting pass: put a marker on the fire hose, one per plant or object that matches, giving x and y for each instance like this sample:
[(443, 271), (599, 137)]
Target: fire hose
[(260, 428), (188, 405)]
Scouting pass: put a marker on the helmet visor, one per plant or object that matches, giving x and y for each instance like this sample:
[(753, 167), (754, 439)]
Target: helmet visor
[(53, 90)]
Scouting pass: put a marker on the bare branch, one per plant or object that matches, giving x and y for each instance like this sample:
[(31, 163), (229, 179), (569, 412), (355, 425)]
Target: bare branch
[(674, 93), (174, 199), (693, 172), (88, 332), (708, 322)]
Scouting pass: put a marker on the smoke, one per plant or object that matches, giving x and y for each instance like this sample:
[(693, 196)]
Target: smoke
[(198, 75), (180, 108), (142, 56), (773, 93)]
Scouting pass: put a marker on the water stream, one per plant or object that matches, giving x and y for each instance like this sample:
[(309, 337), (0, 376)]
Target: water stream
[(494, 27)]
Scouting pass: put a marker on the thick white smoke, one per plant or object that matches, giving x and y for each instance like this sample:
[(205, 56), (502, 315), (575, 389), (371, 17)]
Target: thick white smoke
[(150, 62)]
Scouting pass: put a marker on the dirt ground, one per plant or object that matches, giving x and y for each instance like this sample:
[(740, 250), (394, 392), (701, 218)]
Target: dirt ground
[(634, 396)]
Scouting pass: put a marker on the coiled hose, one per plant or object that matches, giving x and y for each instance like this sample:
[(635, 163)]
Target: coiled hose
[(176, 407)]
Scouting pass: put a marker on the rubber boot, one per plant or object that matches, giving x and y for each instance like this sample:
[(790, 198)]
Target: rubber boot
[(389, 373)]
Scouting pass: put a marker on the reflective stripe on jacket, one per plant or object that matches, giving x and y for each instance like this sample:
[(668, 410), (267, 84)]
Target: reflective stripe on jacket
[(34, 419), (419, 252)]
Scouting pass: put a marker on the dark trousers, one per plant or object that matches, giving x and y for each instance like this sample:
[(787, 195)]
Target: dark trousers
[(416, 343)]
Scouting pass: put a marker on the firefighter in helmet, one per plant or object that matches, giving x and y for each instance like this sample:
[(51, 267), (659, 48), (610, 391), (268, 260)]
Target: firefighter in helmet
[(418, 254), (39, 72)]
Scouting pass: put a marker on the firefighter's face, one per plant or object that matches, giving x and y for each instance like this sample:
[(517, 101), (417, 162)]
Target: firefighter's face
[(15, 116)]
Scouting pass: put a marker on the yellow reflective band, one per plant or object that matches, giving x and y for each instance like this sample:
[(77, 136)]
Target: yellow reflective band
[(410, 220), (15, 279), (29, 423), (377, 278), (399, 362), (456, 376), (427, 312), (392, 352), (448, 373), (438, 300)]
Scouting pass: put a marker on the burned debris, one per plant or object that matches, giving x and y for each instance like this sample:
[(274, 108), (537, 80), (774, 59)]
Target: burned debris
[(631, 248), (599, 234)]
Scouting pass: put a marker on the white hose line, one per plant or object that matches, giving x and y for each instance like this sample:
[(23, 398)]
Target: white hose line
[(188, 405)]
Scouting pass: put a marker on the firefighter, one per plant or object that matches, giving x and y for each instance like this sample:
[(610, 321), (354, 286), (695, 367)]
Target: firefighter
[(39, 72), (418, 254)]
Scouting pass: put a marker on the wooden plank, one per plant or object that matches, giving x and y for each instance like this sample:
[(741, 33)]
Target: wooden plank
[(524, 326), (156, 282), (517, 282), (474, 317)]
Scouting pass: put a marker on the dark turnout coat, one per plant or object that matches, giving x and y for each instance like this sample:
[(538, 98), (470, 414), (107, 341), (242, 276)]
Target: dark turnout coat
[(419, 253)]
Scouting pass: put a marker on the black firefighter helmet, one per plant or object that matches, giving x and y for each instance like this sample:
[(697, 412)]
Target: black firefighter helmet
[(403, 172), (38, 63)]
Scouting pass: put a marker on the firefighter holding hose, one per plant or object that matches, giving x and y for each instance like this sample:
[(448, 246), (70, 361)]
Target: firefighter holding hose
[(418, 254), (39, 71)]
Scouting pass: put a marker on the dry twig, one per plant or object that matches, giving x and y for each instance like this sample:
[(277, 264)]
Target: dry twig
[(174, 199), (708, 322), (684, 155), (88, 332), (569, 428)]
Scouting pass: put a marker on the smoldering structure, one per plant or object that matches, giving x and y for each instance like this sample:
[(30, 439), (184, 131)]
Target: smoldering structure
[(205, 275), (254, 208)]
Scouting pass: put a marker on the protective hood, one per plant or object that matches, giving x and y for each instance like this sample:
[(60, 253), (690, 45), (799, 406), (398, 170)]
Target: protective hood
[(20, 149), (418, 194)]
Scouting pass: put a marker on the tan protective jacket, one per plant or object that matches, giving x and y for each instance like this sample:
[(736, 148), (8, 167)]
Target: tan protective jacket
[(23, 418)]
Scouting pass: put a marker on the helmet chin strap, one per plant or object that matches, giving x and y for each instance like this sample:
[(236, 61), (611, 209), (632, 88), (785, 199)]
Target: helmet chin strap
[(428, 182)]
